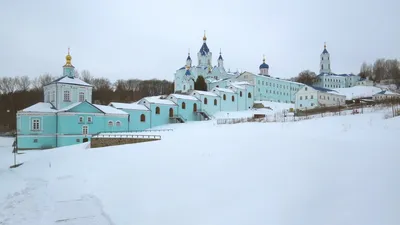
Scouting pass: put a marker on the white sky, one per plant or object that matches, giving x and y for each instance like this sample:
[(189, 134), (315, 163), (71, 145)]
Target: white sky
[(150, 39)]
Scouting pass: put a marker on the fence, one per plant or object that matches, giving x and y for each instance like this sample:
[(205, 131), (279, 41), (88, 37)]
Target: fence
[(139, 131), (157, 137)]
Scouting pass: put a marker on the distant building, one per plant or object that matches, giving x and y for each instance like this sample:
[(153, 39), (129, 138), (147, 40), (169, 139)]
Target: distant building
[(313, 97), (385, 95), (328, 79)]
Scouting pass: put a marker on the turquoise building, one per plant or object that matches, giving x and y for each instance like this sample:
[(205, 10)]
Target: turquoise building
[(67, 115)]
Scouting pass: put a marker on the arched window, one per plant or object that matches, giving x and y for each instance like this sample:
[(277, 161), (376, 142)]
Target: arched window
[(205, 101), (110, 123), (224, 97), (194, 107), (118, 123), (249, 95), (171, 112), (233, 98), (157, 110), (215, 102), (240, 93), (142, 118), (183, 105)]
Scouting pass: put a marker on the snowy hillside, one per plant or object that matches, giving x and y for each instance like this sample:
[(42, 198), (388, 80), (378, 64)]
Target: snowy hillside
[(340, 170)]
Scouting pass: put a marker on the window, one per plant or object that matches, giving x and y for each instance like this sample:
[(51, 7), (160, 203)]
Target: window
[(258, 82), (306, 88), (157, 110), (205, 101), (110, 123), (81, 119), (142, 118), (66, 96), (215, 102), (36, 124), (85, 129), (312, 104), (35, 140), (263, 83), (194, 107), (118, 123), (224, 97), (89, 119), (233, 98), (301, 97), (81, 96), (301, 105), (53, 94), (328, 97), (183, 105), (184, 87), (312, 96), (249, 95), (78, 140), (240, 93)]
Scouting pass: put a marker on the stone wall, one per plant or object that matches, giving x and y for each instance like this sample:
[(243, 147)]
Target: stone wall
[(104, 142)]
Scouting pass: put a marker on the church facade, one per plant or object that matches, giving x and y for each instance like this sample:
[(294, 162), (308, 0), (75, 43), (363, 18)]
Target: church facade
[(266, 87), (328, 79)]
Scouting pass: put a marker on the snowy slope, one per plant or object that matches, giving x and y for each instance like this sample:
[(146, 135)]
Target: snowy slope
[(333, 170)]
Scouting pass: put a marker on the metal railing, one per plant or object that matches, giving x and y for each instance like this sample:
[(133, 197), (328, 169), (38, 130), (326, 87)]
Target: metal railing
[(137, 131), (137, 136)]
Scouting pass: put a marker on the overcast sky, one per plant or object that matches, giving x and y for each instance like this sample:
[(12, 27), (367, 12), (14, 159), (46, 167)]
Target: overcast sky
[(150, 39)]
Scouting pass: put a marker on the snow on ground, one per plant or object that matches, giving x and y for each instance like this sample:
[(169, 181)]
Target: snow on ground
[(357, 92), (332, 170)]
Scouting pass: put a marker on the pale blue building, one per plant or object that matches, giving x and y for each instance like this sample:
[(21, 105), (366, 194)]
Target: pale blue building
[(67, 115)]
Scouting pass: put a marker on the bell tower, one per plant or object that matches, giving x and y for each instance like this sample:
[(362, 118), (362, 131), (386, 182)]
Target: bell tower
[(325, 63)]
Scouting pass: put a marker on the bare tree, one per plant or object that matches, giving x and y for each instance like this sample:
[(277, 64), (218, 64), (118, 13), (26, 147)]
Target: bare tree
[(23, 83), (76, 73), (102, 84), (379, 70), (86, 76), (306, 77), (366, 71), (8, 85), (42, 80)]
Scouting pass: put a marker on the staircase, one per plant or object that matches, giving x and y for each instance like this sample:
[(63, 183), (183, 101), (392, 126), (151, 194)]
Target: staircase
[(204, 114), (178, 119)]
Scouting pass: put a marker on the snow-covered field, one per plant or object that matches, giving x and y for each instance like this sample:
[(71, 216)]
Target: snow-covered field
[(334, 170)]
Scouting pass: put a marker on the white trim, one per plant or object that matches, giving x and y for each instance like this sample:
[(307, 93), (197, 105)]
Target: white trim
[(120, 124), (112, 123), (87, 129), (79, 113), (36, 113), (37, 136), (40, 123)]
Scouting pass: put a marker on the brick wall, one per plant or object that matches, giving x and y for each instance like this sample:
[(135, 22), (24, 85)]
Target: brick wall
[(104, 142)]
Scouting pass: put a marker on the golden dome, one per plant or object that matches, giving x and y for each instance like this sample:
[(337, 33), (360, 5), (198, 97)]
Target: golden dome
[(68, 58)]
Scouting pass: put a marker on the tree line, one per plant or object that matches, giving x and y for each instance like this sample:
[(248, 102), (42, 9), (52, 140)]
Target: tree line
[(17, 93), (381, 70)]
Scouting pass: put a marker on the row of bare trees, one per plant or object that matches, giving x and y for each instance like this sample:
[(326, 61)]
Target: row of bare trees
[(17, 93)]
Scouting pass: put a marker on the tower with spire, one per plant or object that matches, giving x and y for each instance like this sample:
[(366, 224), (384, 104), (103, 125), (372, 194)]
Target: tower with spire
[(204, 55), (220, 60), (68, 68), (264, 68), (325, 63), (188, 60)]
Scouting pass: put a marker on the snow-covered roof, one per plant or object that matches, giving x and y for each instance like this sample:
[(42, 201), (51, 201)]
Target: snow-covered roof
[(43, 107), (110, 110), (205, 93), (69, 107), (387, 93), (132, 106), (157, 100), (224, 90), (188, 97), (358, 92), (68, 80)]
